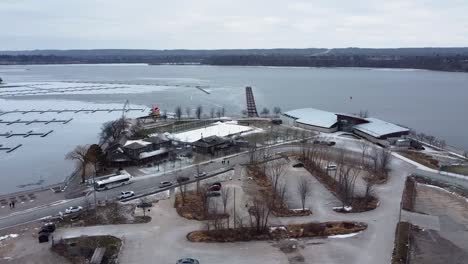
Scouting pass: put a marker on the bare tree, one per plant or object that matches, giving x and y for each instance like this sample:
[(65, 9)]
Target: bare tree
[(225, 195), (259, 214), (114, 130), (265, 112), (223, 111), (182, 188), (244, 112), (212, 113), (276, 170), (199, 112), (188, 111), (364, 146), (277, 111), (364, 113), (304, 189), (178, 112), (79, 155), (219, 114)]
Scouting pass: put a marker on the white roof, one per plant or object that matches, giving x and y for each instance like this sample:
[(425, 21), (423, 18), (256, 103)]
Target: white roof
[(152, 153), (219, 129), (378, 128), (314, 117), (141, 142)]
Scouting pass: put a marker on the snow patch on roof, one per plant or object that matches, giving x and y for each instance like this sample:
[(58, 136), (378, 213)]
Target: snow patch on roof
[(314, 117), (140, 142), (378, 128), (217, 129), (152, 153)]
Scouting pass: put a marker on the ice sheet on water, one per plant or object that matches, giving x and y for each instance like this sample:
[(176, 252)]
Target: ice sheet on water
[(61, 88)]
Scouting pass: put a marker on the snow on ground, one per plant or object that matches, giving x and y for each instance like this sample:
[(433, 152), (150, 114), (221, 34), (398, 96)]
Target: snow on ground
[(218, 129), (8, 236), (344, 236), (60, 88)]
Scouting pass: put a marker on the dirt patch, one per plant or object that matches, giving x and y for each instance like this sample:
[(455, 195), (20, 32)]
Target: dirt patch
[(291, 231), (402, 242), (278, 207), (421, 158), (358, 203), (325, 229), (257, 174), (409, 194), (110, 214), (193, 208), (81, 249)]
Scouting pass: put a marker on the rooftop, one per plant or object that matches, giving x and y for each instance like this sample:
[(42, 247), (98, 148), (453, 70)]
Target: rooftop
[(314, 117), (378, 128)]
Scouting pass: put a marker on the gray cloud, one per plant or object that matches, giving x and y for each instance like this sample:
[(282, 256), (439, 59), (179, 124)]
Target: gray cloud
[(197, 24)]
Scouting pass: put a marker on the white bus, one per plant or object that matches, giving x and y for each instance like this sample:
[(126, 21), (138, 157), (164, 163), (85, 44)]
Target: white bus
[(112, 182)]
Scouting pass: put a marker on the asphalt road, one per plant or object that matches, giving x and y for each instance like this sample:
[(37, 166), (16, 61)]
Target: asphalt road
[(149, 183)]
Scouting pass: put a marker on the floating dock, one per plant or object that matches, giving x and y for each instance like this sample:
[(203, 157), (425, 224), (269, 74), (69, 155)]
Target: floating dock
[(28, 122), (59, 111)]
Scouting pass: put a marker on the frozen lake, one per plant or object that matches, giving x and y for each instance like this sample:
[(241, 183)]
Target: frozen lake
[(430, 102)]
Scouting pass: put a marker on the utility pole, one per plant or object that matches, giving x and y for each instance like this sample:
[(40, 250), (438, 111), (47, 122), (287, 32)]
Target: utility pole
[(234, 208), (94, 192)]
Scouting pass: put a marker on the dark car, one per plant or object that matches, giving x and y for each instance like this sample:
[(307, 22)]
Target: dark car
[(298, 165), (49, 227), (187, 261), (214, 188), (216, 183)]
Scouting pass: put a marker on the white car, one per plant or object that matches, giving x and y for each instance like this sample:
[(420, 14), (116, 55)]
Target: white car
[(330, 167), (126, 194), (73, 209), (202, 174)]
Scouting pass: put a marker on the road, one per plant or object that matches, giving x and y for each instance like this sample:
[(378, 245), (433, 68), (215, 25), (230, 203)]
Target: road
[(149, 183)]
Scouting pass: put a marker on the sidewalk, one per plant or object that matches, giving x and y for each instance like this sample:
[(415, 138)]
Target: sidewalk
[(28, 200)]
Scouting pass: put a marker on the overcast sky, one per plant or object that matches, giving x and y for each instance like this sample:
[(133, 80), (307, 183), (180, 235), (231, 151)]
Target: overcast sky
[(210, 24)]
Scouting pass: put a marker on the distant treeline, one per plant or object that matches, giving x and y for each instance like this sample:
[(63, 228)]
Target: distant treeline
[(456, 63), (443, 59)]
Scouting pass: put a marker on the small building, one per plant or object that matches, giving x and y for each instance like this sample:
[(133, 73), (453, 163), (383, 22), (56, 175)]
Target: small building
[(212, 145), (135, 152), (379, 131), (346, 122), (310, 118)]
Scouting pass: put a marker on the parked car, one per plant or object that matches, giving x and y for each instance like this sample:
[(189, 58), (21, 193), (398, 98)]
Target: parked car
[(298, 165), (187, 261), (202, 174), (213, 193), (48, 227), (126, 194), (214, 188), (165, 184), (325, 143), (330, 167), (73, 209), (216, 183)]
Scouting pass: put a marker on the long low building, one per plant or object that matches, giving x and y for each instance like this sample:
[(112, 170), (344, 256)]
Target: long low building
[(379, 131), (373, 129), (310, 118)]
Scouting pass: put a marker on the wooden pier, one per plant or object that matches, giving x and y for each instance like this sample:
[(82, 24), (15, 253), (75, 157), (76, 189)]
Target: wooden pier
[(28, 122), (75, 111), (8, 149), (251, 107), (27, 134)]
